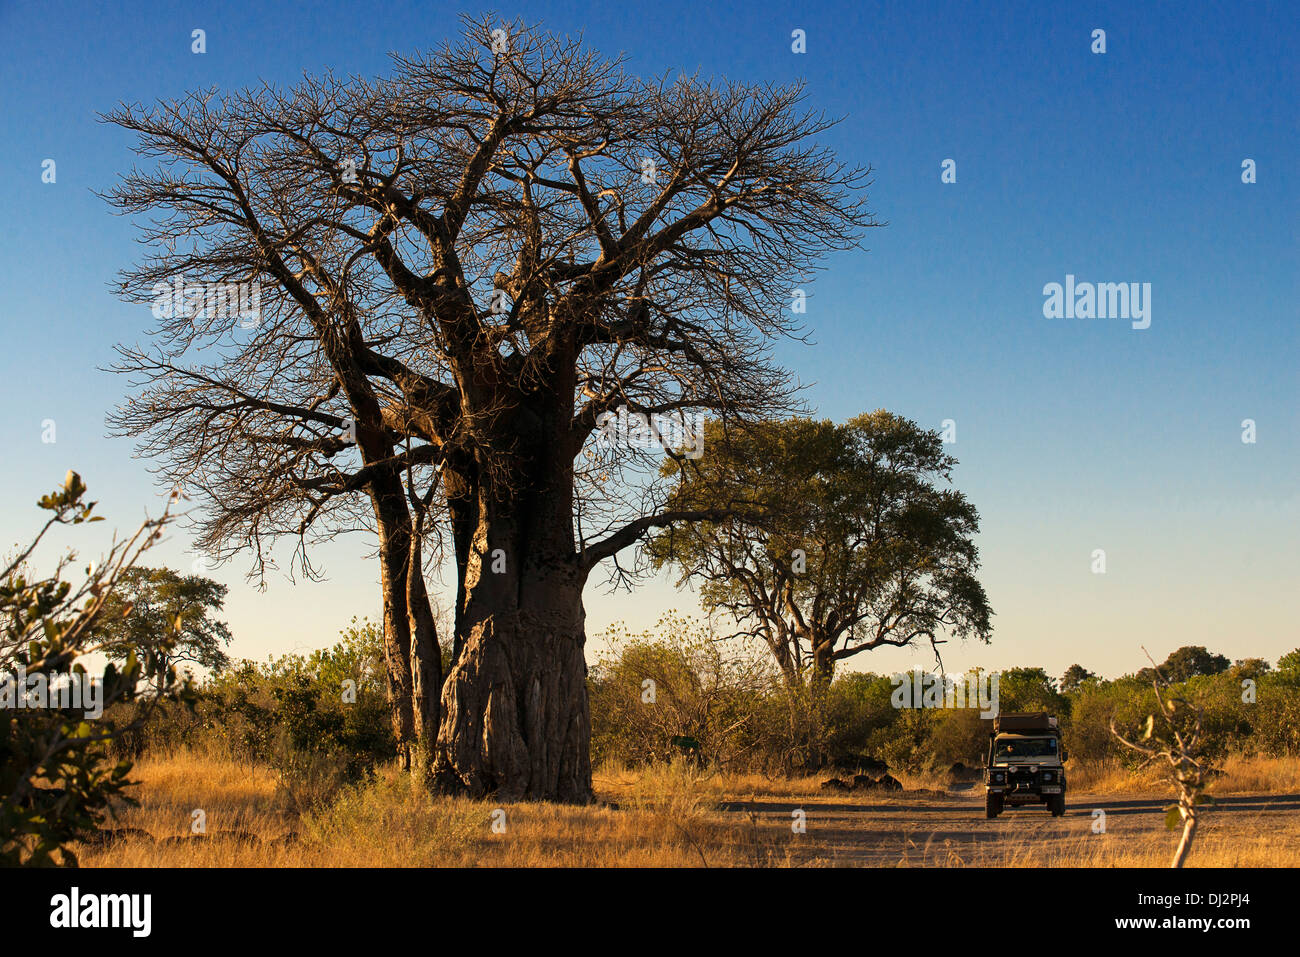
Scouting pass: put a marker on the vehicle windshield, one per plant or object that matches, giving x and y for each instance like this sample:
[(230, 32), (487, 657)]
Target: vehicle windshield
[(1015, 749)]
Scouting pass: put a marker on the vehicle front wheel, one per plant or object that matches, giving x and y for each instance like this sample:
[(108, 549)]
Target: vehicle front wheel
[(992, 805), (1056, 804)]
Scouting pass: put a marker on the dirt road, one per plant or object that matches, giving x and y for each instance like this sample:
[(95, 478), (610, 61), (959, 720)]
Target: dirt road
[(941, 830)]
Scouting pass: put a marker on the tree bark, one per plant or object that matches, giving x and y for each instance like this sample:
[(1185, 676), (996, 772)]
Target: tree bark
[(823, 670), (516, 721), (397, 632), (426, 656), (412, 663), (1185, 842), (779, 641)]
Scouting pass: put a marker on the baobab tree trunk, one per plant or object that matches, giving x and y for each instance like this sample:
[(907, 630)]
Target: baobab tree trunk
[(517, 721), (515, 712)]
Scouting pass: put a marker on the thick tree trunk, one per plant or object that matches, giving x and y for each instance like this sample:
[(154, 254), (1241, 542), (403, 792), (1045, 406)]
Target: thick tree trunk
[(516, 720), (515, 714)]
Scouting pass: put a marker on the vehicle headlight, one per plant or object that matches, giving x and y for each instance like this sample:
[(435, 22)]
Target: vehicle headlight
[(1049, 777), (997, 777)]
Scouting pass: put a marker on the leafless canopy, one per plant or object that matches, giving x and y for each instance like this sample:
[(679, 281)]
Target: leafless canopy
[(446, 257)]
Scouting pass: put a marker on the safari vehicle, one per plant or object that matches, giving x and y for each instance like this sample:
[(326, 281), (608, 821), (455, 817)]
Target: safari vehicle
[(1026, 763)]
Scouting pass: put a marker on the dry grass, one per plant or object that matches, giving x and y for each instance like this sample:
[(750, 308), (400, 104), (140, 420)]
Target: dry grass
[(1216, 845), (665, 817), (614, 784), (1255, 775), (662, 821)]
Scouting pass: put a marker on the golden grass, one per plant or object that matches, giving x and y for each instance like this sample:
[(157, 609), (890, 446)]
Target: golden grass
[(663, 821), (612, 783), (1214, 846), (1241, 775), (672, 817)]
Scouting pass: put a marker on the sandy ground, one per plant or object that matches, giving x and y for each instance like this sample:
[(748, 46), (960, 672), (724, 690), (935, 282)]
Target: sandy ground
[(952, 829)]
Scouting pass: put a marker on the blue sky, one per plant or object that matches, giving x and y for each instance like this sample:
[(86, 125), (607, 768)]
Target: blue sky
[(1072, 434)]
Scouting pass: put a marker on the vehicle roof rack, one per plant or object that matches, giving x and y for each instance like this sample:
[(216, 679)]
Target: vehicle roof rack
[(1025, 722)]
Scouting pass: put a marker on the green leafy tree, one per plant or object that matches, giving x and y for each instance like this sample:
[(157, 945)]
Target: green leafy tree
[(832, 539), (1030, 689), (1187, 662), (154, 601), (858, 707), (320, 720), (1074, 677), (1275, 717), (1249, 668), (674, 691)]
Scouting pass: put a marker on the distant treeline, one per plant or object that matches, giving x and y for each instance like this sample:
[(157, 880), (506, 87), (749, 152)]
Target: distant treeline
[(675, 692), (679, 684)]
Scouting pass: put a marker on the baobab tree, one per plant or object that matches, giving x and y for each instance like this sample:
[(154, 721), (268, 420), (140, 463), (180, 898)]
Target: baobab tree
[(464, 267)]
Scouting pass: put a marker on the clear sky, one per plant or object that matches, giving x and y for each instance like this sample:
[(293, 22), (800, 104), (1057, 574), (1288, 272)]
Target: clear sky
[(1072, 434)]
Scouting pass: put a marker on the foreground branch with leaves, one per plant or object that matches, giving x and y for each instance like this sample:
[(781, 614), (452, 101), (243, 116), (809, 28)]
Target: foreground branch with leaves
[(1176, 739), (56, 777)]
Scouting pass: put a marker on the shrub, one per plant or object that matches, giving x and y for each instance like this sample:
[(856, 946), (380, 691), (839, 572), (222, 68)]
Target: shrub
[(58, 777), (320, 720), (655, 695)]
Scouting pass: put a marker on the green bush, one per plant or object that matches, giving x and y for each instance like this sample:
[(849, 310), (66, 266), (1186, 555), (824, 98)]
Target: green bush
[(321, 720), (744, 718), (674, 692), (59, 776)]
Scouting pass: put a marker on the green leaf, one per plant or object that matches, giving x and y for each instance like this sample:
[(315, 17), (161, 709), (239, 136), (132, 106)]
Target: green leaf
[(1173, 817)]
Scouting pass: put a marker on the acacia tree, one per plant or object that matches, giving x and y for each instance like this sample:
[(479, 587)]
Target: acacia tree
[(464, 265), (836, 539)]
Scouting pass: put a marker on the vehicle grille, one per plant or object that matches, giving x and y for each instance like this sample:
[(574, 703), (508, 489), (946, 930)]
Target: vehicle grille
[(1022, 778)]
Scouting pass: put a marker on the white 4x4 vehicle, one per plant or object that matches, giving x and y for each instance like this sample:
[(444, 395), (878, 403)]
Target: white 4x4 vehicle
[(1026, 763)]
